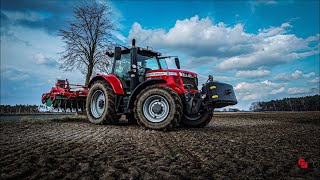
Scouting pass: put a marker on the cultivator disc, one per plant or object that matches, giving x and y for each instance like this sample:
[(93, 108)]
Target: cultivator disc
[(66, 96)]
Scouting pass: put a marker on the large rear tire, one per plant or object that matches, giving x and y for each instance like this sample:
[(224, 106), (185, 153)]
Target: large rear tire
[(158, 107), (197, 121), (100, 104)]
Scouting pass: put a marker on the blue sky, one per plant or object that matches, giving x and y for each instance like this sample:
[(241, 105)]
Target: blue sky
[(265, 49)]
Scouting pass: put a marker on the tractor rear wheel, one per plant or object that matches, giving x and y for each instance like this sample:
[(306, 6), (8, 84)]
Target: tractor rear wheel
[(100, 104), (197, 120), (158, 107)]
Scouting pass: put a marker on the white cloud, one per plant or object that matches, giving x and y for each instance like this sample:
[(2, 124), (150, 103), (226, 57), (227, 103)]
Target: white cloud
[(41, 59), (299, 90), (14, 73), (253, 73), (295, 75), (192, 62), (309, 75), (315, 80), (24, 15), (119, 36), (224, 78), (282, 77), (231, 45), (199, 36), (272, 49), (257, 90), (277, 91), (256, 3), (269, 83)]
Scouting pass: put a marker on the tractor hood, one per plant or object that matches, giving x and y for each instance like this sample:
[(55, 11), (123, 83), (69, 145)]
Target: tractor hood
[(171, 72)]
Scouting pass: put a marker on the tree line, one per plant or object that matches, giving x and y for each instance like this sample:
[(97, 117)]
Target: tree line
[(17, 109), (306, 103)]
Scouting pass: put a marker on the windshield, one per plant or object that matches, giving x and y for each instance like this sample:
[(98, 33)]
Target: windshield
[(122, 67), (163, 64), (151, 62)]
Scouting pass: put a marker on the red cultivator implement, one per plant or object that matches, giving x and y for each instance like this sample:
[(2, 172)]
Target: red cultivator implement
[(65, 95)]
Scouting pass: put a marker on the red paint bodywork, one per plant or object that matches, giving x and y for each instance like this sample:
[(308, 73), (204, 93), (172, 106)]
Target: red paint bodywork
[(113, 81), (172, 81)]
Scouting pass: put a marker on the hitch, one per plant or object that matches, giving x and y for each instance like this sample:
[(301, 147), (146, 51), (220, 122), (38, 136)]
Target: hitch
[(190, 99), (188, 94)]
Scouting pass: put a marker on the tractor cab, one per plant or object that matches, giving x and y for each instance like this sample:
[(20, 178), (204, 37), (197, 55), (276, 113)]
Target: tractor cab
[(126, 69), (133, 65)]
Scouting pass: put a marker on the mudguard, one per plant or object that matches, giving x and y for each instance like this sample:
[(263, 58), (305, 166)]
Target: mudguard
[(141, 86), (112, 80)]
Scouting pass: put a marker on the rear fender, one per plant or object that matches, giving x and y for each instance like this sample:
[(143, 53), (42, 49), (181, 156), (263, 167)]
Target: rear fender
[(112, 80)]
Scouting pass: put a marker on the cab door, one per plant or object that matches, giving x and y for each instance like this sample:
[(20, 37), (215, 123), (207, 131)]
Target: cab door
[(121, 70)]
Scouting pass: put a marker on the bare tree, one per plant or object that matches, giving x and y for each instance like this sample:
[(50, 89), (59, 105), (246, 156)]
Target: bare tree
[(87, 38)]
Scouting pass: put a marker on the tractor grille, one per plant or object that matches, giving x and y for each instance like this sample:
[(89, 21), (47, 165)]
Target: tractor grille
[(192, 81)]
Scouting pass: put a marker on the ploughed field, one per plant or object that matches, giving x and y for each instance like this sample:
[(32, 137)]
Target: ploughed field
[(233, 145)]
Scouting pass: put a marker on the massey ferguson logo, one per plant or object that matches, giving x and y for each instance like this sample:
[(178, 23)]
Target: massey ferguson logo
[(186, 75), (161, 74)]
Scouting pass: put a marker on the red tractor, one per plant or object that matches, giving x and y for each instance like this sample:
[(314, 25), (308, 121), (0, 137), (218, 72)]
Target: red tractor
[(143, 88)]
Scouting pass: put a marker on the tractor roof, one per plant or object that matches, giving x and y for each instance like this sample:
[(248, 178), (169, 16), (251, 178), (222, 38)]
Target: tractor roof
[(141, 51)]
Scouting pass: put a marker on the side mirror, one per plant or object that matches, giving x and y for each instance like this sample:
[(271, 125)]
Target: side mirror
[(109, 54), (176, 60), (117, 53)]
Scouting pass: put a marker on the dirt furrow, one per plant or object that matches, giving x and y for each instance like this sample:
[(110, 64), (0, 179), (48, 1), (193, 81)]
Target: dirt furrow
[(232, 146)]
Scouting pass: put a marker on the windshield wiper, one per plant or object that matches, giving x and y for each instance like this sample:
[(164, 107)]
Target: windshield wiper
[(164, 57)]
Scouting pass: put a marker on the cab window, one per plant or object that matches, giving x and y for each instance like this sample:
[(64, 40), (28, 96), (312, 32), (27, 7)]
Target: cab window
[(122, 66), (152, 64)]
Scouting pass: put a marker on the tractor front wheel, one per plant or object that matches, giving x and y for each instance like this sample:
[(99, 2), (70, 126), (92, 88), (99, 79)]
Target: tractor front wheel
[(100, 104), (158, 107)]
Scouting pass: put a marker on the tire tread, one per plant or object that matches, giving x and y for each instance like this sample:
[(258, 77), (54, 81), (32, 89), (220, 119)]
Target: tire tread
[(178, 107)]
